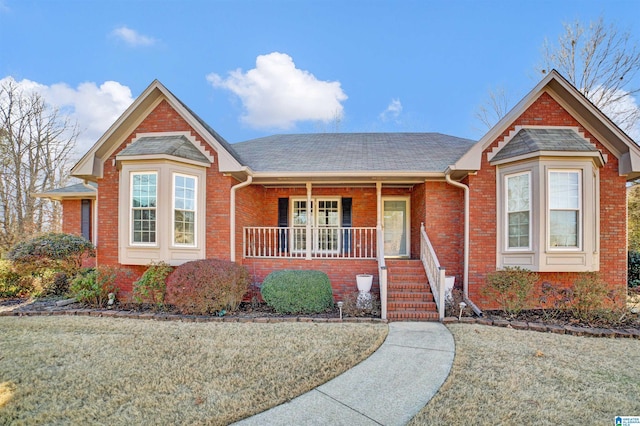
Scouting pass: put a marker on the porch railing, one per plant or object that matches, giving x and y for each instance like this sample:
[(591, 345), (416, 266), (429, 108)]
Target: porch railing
[(291, 242), (435, 272)]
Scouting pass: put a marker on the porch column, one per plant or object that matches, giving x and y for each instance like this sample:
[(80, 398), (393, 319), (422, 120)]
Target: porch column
[(379, 213), (309, 221)]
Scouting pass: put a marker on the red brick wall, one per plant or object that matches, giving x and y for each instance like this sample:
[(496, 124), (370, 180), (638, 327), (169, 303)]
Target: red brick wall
[(444, 223), (71, 217), (342, 273), (613, 264), (162, 119)]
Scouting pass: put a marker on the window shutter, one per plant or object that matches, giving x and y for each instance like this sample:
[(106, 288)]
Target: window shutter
[(346, 223), (283, 222), (85, 219)]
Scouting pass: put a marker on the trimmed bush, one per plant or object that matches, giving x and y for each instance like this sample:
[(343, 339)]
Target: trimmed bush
[(151, 286), (53, 250), (511, 287), (207, 286), (92, 286), (293, 292)]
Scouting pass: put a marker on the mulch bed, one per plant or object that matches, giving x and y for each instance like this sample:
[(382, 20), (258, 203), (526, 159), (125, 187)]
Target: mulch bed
[(247, 312)]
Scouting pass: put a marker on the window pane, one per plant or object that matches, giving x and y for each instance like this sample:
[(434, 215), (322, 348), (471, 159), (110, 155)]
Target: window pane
[(184, 209), (563, 190), (519, 230), (563, 228), (143, 203), (518, 211)]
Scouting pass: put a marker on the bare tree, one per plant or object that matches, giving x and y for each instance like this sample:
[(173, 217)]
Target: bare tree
[(36, 144), (494, 108), (601, 61)]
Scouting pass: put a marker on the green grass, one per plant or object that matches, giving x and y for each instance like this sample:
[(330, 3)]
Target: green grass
[(505, 376), (85, 370)]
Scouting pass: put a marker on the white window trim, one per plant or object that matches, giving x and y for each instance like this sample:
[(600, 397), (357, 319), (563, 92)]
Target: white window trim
[(506, 211), (173, 210), (131, 209), (579, 236)]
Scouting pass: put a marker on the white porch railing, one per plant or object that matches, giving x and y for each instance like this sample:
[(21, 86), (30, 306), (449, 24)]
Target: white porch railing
[(435, 272), (291, 242)]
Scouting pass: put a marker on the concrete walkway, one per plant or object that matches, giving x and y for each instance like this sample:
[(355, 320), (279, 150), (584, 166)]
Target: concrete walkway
[(388, 388)]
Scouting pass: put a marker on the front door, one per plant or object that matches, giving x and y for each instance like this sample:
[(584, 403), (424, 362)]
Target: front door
[(396, 226)]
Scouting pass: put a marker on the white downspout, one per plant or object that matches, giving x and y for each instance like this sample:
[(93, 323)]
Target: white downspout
[(232, 219), (465, 278)]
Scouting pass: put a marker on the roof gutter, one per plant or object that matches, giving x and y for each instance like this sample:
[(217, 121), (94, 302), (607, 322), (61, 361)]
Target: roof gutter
[(232, 219), (465, 278)]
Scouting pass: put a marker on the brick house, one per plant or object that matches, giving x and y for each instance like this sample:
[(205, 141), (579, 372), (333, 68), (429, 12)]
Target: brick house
[(544, 189)]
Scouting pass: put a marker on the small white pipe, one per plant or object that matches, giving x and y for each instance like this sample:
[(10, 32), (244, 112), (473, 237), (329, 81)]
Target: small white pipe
[(232, 219)]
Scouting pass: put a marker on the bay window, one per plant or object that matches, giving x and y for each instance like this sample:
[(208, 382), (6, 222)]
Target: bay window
[(548, 215)]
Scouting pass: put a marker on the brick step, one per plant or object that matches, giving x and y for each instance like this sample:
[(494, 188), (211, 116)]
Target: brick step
[(417, 269), (397, 306), (412, 316), (409, 286), (402, 262), (408, 277), (411, 295)]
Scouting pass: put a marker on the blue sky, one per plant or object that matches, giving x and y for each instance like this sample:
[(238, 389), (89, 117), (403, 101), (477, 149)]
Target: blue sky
[(255, 68)]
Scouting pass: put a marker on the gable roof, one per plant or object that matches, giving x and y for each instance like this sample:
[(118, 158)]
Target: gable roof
[(90, 166), (583, 110), (352, 153), (532, 140), (176, 146)]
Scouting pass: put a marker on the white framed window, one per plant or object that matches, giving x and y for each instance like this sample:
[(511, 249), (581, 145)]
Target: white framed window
[(565, 209), (518, 211), (144, 203), (185, 188), (324, 218)]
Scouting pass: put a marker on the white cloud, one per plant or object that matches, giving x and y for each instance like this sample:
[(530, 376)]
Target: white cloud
[(276, 94), (132, 37), (393, 110), (94, 107)]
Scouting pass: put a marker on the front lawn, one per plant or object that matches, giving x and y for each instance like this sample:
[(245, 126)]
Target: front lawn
[(86, 370), (505, 376)]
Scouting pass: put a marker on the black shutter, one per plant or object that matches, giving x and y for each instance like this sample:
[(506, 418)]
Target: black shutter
[(346, 223), (283, 222), (85, 219)]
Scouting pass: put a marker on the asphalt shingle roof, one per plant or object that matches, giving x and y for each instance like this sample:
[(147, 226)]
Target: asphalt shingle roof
[(528, 141), (353, 152), (178, 146)]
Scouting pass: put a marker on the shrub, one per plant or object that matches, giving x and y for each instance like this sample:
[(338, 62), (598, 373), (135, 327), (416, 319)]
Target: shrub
[(92, 286), (53, 250), (588, 296), (633, 272), (297, 291), (11, 284), (151, 286), (511, 287), (207, 286)]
